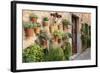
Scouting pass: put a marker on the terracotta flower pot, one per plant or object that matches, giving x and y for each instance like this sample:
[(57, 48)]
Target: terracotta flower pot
[(56, 38), (59, 40), (29, 32), (65, 28), (34, 20), (44, 43), (37, 30), (45, 23)]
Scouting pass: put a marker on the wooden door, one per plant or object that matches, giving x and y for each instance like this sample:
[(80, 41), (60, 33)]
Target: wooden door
[(74, 34)]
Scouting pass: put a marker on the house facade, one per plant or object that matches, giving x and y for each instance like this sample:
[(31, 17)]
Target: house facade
[(76, 20)]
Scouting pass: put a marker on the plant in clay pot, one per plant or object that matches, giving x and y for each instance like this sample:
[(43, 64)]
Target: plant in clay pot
[(57, 36), (43, 37), (28, 28), (66, 24), (33, 18), (36, 27), (66, 36), (45, 21)]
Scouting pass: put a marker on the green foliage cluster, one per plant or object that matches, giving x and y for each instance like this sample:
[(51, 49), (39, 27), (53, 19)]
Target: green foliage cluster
[(86, 36), (67, 51), (46, 19), (55, 54), (33, 16), (28, 25), (58, 33), (31, 25), (67, 35), (33, 53), (65, 22)]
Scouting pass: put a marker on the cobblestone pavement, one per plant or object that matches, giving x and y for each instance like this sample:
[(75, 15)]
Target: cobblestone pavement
[(84, 56)]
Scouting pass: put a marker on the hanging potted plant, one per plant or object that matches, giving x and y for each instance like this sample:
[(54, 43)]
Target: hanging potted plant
[(66, 36), (28, 28), (33, 18), (66, 24), (45, 21), (36, 27), (57, 36)]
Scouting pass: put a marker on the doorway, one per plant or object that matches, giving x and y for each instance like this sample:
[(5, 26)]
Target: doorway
[(75, 21)]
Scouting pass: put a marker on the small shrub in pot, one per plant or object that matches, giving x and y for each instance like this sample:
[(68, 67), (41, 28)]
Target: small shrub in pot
[(33, 18), (45, 21), (28, 28)]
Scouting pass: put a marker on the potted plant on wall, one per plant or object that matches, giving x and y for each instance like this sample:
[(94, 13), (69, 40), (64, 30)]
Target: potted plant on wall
[(36, 27), (28, 28), (45, 21), (67, 45), (43, 37), (66, 36), (33, 18), (57, 36), (66, 24)]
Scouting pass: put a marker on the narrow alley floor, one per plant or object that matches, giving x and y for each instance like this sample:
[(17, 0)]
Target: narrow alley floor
[(84, 56)]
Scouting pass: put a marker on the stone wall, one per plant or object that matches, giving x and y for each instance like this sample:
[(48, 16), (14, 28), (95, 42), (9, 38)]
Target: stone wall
[(83, 18)]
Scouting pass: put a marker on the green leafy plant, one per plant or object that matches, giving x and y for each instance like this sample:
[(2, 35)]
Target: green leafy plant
[(31, 25), (55, 54), (89, 37), (45, 19), (38, 25), (67, 50), (28, 28), (65, 22), (33, 16), (35, 25), (28, 25), (85, 36), (43, 35), (58, 33), (66, 36), (33, 53)]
